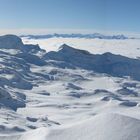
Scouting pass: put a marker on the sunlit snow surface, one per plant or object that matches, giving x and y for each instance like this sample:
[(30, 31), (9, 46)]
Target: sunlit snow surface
[(69, 103)]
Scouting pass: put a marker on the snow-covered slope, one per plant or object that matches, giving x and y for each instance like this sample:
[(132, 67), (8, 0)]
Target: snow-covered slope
[(69, 94), (101, 127)]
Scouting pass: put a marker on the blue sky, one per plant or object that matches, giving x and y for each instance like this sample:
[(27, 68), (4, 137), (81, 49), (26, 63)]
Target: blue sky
[(110, 15)]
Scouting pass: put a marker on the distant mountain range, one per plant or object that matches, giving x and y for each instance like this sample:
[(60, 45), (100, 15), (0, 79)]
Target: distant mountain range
[(88, 36)]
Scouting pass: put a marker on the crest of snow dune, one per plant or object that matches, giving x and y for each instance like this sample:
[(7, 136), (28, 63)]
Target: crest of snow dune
[(101, 127)]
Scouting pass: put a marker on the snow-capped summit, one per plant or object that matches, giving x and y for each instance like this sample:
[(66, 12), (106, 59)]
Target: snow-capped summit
[(14, 42), (10, 42)]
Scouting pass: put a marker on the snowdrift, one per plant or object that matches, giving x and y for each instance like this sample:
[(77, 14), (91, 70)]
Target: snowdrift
[(101, 127)]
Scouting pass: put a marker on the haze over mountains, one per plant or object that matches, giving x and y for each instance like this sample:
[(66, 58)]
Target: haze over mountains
[(69, 93)]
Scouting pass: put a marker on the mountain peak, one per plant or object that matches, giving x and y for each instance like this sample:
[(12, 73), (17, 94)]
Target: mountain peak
[(65, 46), (10, 42), (68, 49)]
